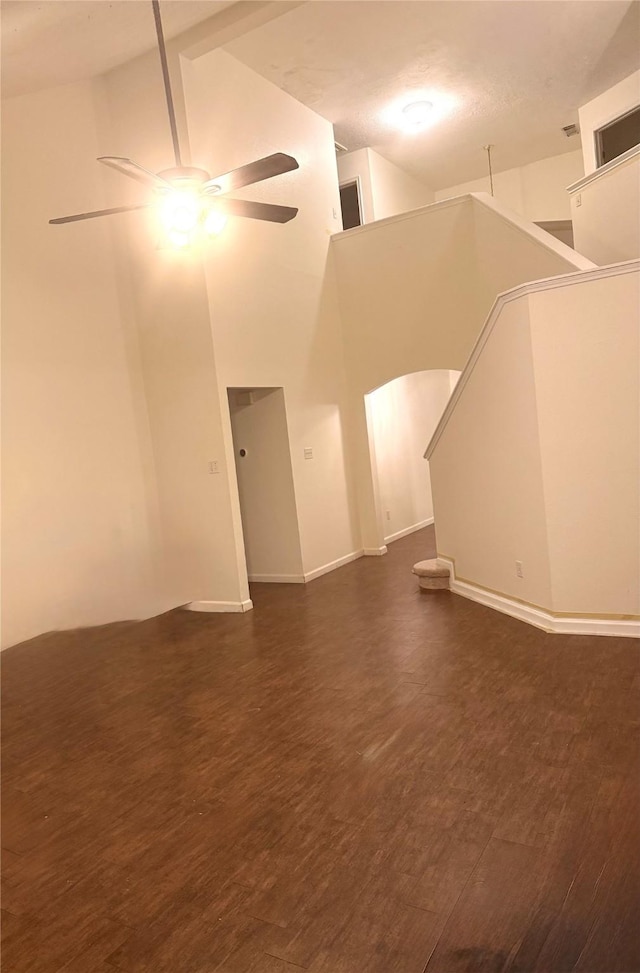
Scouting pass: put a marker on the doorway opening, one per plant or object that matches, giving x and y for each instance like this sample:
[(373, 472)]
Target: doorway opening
[(265, 484), (402, 417), (351, 204)]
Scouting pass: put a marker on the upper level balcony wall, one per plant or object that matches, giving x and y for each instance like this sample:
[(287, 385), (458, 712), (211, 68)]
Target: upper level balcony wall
[(415, 289), (605, 209)]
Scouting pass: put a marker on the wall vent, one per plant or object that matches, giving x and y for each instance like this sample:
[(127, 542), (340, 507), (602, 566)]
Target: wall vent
[(570, 130)]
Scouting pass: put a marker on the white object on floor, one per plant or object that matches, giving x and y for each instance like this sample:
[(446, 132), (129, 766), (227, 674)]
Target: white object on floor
[(432, 574)]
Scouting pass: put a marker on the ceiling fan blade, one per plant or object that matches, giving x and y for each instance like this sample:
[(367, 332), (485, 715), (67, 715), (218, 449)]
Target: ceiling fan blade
[(99, 212), (132, 169), (255, 211), (271, 165)]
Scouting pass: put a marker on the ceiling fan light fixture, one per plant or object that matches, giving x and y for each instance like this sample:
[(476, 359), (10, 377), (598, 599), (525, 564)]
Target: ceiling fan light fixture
[(187, 218), (419, 110), (182, 191)]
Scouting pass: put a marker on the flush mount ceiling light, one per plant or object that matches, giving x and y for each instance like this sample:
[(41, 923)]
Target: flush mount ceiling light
[(419, 111), (189, 202)]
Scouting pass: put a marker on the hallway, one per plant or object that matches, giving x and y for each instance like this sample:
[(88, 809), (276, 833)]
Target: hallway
[(356, 777)]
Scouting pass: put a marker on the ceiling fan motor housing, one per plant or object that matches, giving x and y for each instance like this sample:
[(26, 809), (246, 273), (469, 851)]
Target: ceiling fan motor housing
[(179, 175)]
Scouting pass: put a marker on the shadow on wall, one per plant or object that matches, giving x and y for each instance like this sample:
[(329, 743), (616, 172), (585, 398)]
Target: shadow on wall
[(402, 416)]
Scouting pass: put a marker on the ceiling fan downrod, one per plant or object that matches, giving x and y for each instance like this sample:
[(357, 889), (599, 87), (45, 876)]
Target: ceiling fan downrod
[(167, 81)]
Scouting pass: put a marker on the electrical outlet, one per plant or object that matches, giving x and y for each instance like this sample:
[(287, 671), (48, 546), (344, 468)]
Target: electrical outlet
[(519, 571), (213, 466)]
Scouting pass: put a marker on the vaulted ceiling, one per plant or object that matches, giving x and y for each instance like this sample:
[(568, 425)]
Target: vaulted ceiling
[(510, 73)]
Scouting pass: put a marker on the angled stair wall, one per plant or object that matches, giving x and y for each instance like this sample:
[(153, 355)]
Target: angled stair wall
[(534, 465)]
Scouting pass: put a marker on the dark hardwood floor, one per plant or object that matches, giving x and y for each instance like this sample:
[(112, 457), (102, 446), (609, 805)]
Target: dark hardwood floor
[(356, 777)]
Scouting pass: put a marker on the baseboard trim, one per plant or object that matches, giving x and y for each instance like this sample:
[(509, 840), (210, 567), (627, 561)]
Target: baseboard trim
[(554, 624), (375, 551), (277, 578), (408, 530), (332, 565), (308, 575), (219, 606)]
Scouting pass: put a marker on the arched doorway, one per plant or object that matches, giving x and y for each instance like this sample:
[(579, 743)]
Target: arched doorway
[(402, 416)]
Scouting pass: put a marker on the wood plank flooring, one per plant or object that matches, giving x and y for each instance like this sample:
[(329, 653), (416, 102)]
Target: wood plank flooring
[(356, 777)]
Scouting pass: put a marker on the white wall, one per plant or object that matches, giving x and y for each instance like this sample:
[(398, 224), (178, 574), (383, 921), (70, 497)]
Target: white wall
[(605, 108), (79, 528), (385, 189), (509, 252), (486, 471), (539, 459), (265, 483), (404, 414), (606, 211), (407, 297), (408, 301), (414, 293), (537, 191), (588, 407), (166, 294), (115, 347), (272, 296), (395, 191), (415, 289)]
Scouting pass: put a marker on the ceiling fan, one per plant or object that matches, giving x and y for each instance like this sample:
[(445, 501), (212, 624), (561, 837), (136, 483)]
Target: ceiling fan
[(190, 199)]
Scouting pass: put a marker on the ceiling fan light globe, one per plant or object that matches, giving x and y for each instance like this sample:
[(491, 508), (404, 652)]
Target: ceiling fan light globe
[(416, 114), (179, 239), (180, 211), (184, 219), (214, 223)]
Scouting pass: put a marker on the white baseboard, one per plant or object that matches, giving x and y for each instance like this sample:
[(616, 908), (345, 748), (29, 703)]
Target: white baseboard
[(577, 625), (308, 575), (219, 606), (408, 530), (278, 578), (375, 551), (332, 565), (554, 624)]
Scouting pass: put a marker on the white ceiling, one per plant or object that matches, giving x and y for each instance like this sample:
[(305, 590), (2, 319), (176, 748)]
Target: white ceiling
[(58, 41), (517, 69)]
